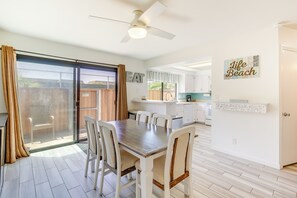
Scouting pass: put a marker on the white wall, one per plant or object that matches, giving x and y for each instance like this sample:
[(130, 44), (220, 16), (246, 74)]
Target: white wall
[(134, 90), (257, 134)]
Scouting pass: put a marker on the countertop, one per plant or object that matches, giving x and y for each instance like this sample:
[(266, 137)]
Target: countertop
[(171, 102), (3, 118), (155, 101)]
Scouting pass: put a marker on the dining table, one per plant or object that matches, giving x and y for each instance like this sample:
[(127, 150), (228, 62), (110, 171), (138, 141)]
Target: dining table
[(145, 141)]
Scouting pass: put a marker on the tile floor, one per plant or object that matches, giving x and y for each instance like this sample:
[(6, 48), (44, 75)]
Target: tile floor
[(60, 173)]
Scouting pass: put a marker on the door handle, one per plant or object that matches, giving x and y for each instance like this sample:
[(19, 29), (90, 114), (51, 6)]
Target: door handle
[(285, 114)]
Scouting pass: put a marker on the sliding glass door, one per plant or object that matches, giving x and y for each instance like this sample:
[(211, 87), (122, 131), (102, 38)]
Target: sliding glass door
[(46, 91), (55, 96), (97, 94)]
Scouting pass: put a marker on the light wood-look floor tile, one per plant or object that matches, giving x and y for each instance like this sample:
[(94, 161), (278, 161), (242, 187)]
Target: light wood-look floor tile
[(61, 191), (60, 173), (44, 190), (27, 189)]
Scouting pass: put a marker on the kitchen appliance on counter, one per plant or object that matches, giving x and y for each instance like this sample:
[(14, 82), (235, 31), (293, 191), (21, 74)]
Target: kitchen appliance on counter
[(188, 98)]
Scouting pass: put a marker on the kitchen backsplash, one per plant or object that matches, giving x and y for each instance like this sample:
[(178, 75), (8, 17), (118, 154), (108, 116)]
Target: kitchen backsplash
[(194, 96)]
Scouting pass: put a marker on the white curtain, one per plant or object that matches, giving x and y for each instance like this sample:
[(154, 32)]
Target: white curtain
[(162, 77)]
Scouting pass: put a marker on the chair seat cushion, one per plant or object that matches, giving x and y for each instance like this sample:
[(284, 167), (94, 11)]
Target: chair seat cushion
[(128, 160), (158, 169)]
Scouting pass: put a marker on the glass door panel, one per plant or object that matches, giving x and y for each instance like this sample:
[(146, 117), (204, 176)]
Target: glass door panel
[(97, 96), (46, 102)]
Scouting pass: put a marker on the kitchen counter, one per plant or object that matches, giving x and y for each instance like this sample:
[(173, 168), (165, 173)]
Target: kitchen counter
[(194, 102), (171, 102), (153, 101)]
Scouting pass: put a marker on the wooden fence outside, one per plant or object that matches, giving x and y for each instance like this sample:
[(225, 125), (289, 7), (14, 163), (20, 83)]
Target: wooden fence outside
[(97, 103), (57, 100), (156, 95)]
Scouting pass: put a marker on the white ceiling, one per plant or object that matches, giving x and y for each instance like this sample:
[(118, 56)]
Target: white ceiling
[(192, 21)]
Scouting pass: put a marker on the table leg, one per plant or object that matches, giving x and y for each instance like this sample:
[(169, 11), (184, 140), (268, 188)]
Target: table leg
[(146, 165)]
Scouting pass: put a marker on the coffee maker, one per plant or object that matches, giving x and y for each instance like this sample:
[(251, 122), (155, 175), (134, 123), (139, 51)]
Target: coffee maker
[(188, 98)]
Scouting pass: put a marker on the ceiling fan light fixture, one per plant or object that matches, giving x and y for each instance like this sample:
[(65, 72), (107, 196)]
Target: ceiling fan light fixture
[(136, 32)]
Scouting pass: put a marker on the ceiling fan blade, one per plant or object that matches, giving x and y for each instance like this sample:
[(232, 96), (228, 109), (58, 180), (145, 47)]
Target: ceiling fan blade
[(160, 33), (125, 39), (155, 10), (107, 19)]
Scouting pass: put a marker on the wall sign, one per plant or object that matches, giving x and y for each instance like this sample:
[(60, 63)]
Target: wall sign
[(134, 77), (247, 67)]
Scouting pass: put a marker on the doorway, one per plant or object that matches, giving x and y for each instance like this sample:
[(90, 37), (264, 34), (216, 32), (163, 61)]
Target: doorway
[(289, 110)]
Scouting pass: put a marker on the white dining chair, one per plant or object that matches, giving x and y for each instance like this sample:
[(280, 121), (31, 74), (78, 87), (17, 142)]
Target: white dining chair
[(175, 166), (114, 159), (162, 120), (94, 147), (143, 116)]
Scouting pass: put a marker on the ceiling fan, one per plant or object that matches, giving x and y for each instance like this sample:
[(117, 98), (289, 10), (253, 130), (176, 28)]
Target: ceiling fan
[(138, 27)]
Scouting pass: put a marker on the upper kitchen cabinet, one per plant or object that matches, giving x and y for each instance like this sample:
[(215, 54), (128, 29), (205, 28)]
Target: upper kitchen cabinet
[(202, 83), (190, 83), (186, 84)]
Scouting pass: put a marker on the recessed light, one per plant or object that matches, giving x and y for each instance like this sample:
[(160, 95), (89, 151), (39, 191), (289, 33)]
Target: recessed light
[(200, 64)]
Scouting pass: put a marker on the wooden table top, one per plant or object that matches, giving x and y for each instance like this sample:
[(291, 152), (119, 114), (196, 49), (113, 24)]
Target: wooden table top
[(144, 139)]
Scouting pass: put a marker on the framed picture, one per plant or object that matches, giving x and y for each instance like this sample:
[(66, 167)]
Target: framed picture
[(247, 67)]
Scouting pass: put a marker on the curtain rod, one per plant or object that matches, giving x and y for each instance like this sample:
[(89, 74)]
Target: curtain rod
[(65, 58)]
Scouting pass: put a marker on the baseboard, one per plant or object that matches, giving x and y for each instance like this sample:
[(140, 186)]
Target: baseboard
[(246, 157)]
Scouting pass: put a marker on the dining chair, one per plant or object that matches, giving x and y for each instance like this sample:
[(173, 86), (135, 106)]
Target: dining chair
[(162, 120), (175, 166), (143, 116), (118, 161), (94, 147)]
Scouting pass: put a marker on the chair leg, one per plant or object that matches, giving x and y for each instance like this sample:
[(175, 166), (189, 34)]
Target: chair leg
[(96, 171), (188, 186), (166, 193), (137, 184), (93, 164), (118, 187), (87, 163), (31, 136), (54, 135), (102, 178)]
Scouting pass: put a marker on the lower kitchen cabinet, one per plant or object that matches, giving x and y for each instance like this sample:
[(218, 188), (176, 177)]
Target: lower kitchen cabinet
[(188, 114)]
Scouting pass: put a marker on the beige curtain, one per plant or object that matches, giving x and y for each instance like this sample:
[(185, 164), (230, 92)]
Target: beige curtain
[(14, 140), (122, 107)]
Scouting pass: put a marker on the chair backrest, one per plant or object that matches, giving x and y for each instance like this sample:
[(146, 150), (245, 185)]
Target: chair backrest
[(40, 114), (179, 155), (162, 120), (143, 116), (110, 145), (92, 133)]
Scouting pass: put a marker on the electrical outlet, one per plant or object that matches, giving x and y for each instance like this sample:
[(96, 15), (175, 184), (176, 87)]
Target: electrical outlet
[(234, 141)]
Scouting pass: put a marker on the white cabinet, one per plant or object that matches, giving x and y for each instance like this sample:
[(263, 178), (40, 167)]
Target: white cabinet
[(188, 114), (192, 112), (201, 113), (202, 84), (194, 84), (187, 84)]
